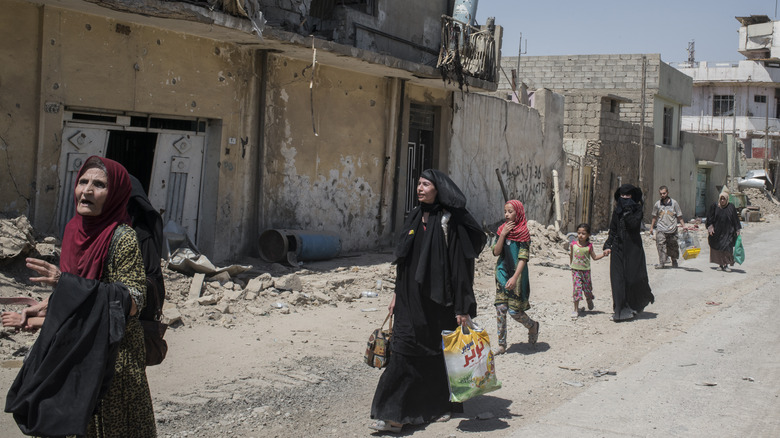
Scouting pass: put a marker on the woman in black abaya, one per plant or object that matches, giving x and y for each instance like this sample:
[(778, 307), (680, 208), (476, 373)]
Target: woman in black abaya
[(723, 226), (627, 266), (434, 292)]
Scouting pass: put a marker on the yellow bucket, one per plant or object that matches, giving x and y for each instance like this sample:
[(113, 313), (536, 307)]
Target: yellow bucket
[(691, 253)]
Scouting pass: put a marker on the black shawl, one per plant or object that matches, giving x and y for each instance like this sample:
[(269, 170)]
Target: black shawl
[(449, 264), (148, 226), (71, 363)]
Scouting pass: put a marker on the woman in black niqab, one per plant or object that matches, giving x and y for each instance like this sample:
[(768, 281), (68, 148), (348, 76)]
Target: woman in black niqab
[(435, 257), (627, 267)]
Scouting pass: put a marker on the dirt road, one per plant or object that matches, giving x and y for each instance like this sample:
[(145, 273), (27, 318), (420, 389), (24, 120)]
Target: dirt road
[(301, 374)]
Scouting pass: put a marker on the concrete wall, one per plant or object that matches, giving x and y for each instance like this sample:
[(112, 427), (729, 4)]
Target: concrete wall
[(56, 59), (524, 143), (674, 86), (332, 180), (677, 169), (20, 43)]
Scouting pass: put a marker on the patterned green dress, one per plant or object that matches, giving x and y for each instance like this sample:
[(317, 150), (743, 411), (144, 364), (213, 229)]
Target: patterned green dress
[(517, 298), (125, 411)]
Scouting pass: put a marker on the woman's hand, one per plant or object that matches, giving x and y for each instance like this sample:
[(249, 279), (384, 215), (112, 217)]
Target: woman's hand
[(391, 306), (462, 319), (49, 274), (607, 252), (511, 283), (12, 319), (711, 230)]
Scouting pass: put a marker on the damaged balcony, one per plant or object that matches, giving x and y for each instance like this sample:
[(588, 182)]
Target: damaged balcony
[(403, 41)]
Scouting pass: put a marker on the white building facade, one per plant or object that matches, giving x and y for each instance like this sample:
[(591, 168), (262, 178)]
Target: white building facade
[(743, 98)]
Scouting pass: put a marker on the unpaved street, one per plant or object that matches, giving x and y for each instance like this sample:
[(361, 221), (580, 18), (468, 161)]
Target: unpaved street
[(301, 374)]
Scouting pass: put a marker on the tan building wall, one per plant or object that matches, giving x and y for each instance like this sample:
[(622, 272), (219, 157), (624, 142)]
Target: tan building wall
[(76, 60), (329, 180)]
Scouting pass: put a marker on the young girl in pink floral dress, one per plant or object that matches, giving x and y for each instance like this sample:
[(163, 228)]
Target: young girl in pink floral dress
[(580, 253)]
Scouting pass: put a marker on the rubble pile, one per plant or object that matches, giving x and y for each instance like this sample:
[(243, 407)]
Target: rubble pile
[(219, 300), (545, 241), (766, 202)]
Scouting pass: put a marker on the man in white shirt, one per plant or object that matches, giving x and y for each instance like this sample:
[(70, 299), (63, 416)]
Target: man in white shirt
[(666, 215)]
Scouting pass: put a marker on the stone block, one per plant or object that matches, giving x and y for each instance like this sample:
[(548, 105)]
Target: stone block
[(223, 307), (196, 286), (207, 300), (171, 316), (289, 282), (233, 295), (222, 277)]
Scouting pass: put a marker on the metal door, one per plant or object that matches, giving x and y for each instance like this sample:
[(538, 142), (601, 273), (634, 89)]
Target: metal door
[(78, 143), (175, 185), (702, 175)]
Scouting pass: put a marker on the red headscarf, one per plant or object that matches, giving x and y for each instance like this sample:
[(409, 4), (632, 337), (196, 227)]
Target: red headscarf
[(87, 238), (519, 232)]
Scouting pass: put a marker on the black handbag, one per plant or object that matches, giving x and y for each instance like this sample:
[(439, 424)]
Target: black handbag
[(156, 346), (154, 329)]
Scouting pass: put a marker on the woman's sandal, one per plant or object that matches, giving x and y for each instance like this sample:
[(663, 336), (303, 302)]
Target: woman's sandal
[(500, 350), (534, 336), (444, 418), (386, 426)]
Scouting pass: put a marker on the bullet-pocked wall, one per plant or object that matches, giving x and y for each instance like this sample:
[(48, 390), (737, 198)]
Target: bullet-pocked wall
[(324, 150), (19, 106), (74, 60)]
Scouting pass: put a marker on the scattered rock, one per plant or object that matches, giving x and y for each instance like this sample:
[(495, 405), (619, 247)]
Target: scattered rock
[(256, 311), (171, 316), (16, 238), (233, 295), (207, 300), (223, 307), (289, 282), (222, 277)]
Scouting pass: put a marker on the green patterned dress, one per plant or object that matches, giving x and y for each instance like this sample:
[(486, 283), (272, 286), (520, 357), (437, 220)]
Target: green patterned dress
[(125, 411)]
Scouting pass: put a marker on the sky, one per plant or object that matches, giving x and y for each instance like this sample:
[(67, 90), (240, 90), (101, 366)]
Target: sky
[(569, 27)]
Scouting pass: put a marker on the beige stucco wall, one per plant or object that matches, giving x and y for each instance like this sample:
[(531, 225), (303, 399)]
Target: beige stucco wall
[(94, 62), (19, 106), (331, 181), (491, 133)]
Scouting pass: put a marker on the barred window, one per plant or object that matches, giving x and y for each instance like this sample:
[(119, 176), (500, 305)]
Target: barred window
[(723, 105)]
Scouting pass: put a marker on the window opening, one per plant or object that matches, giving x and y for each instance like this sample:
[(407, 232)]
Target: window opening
[(668, 119), (759, 98), (723, 105)]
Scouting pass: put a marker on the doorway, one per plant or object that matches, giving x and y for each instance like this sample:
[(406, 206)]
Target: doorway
[(419, 149), (135, 151), (702, 177)]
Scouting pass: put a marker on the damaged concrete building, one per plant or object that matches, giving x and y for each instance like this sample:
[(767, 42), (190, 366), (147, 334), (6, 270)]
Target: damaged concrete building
[(740, 99), (608, 99), (242, 116)]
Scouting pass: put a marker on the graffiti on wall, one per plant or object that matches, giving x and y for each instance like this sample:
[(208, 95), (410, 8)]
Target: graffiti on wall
[(524, 181)]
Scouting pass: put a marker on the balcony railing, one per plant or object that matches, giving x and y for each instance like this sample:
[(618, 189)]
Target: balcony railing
[(466, 51), (742, 125)]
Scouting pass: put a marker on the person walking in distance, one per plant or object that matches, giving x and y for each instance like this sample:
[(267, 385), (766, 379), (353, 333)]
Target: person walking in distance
[(666, 215)]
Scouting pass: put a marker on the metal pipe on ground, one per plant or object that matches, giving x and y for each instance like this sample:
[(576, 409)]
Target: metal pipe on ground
[(292, 246)]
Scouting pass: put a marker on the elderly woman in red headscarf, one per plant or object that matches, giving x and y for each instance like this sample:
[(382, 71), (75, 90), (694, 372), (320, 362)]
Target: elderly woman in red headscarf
[(86, 374), (513, 288)]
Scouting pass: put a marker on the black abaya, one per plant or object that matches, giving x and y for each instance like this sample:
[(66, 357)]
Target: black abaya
[(627, 268)]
